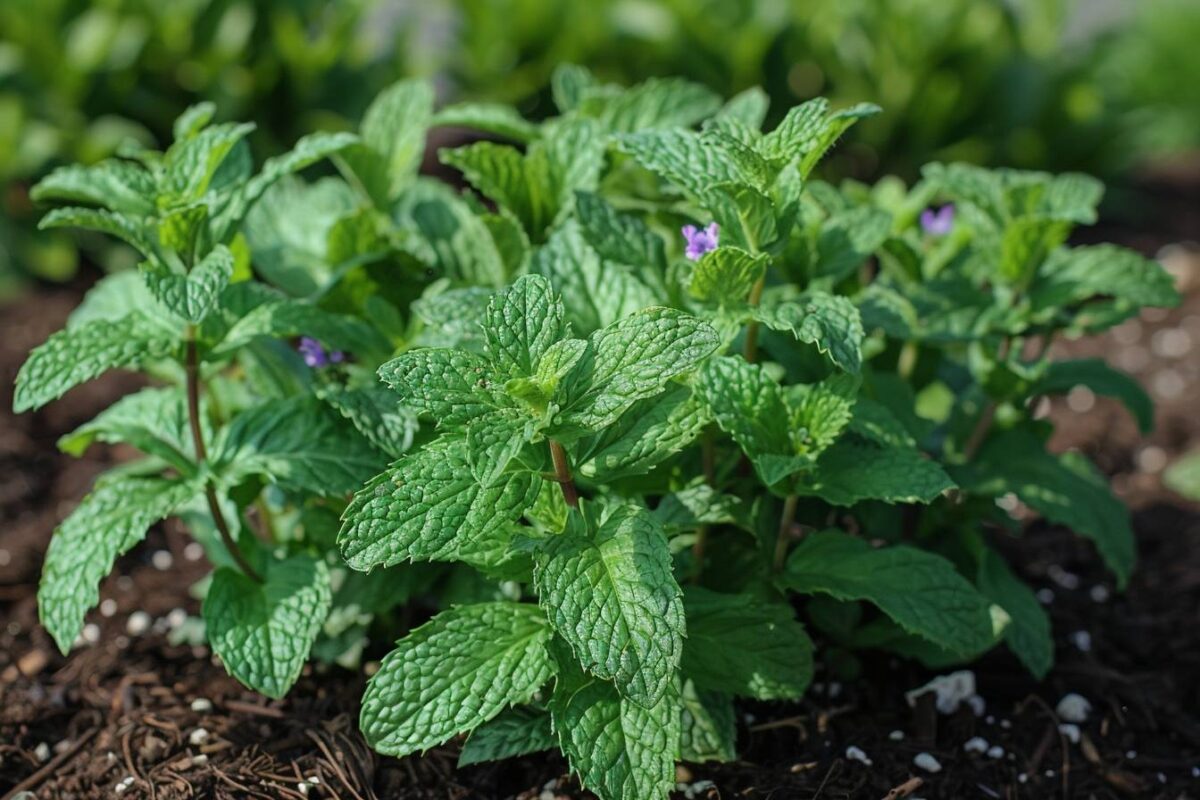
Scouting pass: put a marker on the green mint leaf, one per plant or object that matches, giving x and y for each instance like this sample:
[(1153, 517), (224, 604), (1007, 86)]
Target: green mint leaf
[(299, 443), (515, 732), (377, 415), (189, 165), (393, 129), (747, 216), (180, 229), (650, 432), (193, 119), (796, 133), (463, 247), (521, 324), (618, 237), (281, 319), (1184, 476), (748, 107), (630, 360), (495, 440), (121, 186), (106, 524), (452, 386), (726, 275), (494, 118), (500, 172), (455, 673), (129, 230), (610, 594), (656, 103), (831, 322), (850, 471), (1065, 489), (427, 506), (920, 591), (707, 726), (822, 411), (453, 318), (684, 158), (78, 354), (568, 84), (1025, 244), (1028, 635), (154, 421), (1081, 274), (192, 296), (263, 631), (594, 292), (744, 646), (619, 749), (1062, 376), (848, 239)]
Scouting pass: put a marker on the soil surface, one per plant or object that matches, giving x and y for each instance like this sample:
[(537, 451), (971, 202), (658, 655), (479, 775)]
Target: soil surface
[(138, 712)]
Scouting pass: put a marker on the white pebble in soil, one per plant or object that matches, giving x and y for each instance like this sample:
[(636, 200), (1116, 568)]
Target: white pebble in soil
[(976, 744), (124, 785), (202, 705), (1132, 359), (1064, 578), (995, 752), (1099, 593), (1073, 708), (1081, 399), (927, 762), (1045, 596), (1128, 332), (138, 623), (1071, 731), (176, 617), (198, 737), (1082, 641), (42, 752), (978, 705), (896, 736), (193, 551), (856, 754), (950, 690), (162, 560), (1168, 384)]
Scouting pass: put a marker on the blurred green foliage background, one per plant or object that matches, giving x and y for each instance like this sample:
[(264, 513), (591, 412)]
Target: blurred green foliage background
[(1094, 85)]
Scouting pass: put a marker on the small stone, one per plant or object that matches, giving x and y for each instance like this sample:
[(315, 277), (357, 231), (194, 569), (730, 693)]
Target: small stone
[(1071, 731), (198, 737), (1073, 708), (138, 623), (42, 752), (1064, 578), (91, 633), (856, 754), (193, 551), (927, 762), (896, 736), (1131, 754), (200, 760), (202, 705), (1022, 777), (1162, 777), (176, 617), (950, 690), (1099, 593), (124, 785), (1081, 399), (108, 607), (1005, 724), (976, 744), (978, 705), (1082, 641), (995, 752), (162, 560), (1049, 773), (1152, 459), (1045, 596)]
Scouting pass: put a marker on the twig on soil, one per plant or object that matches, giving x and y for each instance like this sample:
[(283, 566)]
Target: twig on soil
[(337, 769), (51, 766), (905, 789), (253, 708)]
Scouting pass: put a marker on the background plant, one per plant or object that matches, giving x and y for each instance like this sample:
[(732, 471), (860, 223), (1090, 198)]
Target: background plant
[(641, 473)]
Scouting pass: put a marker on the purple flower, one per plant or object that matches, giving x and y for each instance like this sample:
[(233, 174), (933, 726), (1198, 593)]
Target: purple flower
[(315, 355), (699, 241), (939, 222)]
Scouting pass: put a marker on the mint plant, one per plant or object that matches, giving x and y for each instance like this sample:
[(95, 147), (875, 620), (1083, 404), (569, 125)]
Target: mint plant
[(656, 400)]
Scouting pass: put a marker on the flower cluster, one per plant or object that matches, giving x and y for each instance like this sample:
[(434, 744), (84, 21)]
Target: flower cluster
[(315, 355)]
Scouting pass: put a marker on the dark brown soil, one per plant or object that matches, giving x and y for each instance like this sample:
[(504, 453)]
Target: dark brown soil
[(125, 710)]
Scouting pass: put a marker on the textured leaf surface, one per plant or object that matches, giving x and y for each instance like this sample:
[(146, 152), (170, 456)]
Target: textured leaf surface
[(619, 750), (299, 443), (154, 421), (190, 297), (633, 359), (78, 354), (123, 227), (920, 591), (515, 732), (1083, 273), (656, 103), (644, 436), (849, 472), (830, 322), (521, 323), (109, 521), (376, 414), (684, 158), (264, 631), (394, 128), (618, 237), (494, 118), (294, 318), (452, 386), (726, 275), (744, 646), (611, 595), (707, 726), (113, 183), (426, 506), (1065, 489), (454, 673)]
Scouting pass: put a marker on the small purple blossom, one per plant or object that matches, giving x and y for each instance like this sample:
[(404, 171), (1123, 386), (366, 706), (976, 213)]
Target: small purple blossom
[(939, 222), (315, 355), (699, 241)]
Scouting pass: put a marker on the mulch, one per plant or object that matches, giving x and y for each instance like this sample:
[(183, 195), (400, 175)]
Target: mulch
[(136, 713)]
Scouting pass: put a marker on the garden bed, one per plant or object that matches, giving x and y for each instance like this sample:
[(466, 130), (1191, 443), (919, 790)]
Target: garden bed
[(125, 711)]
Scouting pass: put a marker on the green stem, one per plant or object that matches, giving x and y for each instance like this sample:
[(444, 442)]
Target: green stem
[(786, 521), (750, 349), (984, 425), (708, 454), (192, 368), (562, 474)]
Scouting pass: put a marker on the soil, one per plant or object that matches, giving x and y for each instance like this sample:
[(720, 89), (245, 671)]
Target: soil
[(150, 716)]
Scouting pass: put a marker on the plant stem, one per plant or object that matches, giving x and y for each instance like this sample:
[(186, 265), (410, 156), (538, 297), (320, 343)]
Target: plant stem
[(562, 474), (214, 506), (786, 521), (980, 432), (750, 350)]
